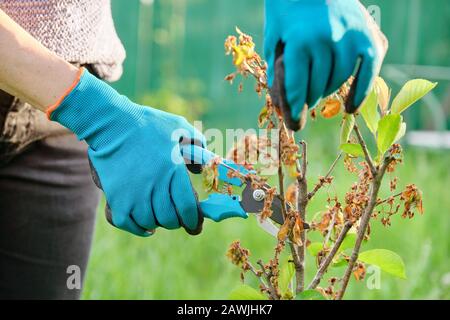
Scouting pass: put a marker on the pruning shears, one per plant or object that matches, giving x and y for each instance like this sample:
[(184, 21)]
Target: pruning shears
[(219, 206)]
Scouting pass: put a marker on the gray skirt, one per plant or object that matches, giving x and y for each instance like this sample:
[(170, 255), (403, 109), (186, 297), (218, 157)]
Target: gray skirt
[(47, 214)]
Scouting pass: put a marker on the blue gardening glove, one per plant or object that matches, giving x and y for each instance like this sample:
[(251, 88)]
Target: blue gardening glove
[(320, 43), (136, 153)]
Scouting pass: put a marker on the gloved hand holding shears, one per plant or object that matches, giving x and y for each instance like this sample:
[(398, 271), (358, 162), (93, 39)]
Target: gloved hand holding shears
[(138, 158), (313, 46)]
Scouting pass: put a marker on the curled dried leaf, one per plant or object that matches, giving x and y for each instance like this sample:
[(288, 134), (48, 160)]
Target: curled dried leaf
[(246, 60), (268, 200), (359, 271), (210, 174), (297, 231), (263, 116), (284, 231), (313, 114), (332, 106), (323, 224), (412, 199), (230, 77), (288, 148), (291, 193), (237, 254)]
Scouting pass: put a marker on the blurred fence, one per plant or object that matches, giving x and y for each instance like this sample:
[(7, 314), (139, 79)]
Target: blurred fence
[(175, 52)]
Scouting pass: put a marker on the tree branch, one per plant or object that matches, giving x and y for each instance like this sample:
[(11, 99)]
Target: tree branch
[(297, 264), (304, 158), (361, 141), (386, 200), (281, 180), (322, 180), (330, 228), (324, 265), (272, 291), (302, 202), (259, 276), (375, 187)]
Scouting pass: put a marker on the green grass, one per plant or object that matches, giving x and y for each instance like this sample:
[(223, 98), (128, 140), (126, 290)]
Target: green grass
[(174, 265)]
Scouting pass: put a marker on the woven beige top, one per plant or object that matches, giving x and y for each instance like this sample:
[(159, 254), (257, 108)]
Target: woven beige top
[(80, 31)]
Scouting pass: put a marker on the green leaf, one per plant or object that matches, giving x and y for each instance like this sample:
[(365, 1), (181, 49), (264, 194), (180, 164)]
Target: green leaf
[(353, 149), (314, 248), (347, 127), (310, 295), (263, 116), (348, 242), (388, 128), (411, 92), (386, 260), (339, 263), (287, 271), (245, 292), (383, 93), (369, 112), (401, 132)]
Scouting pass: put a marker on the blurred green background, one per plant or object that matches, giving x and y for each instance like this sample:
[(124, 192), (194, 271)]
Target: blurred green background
[(175, 61)]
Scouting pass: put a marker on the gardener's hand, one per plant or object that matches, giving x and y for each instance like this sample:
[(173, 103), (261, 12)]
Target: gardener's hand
[(135, 152), (321, 42)]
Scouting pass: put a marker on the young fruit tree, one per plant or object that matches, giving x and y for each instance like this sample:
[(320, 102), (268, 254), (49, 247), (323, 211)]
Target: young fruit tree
[(344, 224)]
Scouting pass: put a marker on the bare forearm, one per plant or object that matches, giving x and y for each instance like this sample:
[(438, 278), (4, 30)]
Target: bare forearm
[(28, 70)]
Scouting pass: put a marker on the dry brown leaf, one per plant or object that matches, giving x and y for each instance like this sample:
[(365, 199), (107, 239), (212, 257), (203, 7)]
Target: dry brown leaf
[(359, 272), (331, 108), (291, 193), (297, 231), (284, 231)]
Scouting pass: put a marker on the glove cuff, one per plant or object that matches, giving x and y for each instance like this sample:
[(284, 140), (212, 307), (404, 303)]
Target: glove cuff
[(94, 111), (53, 107)]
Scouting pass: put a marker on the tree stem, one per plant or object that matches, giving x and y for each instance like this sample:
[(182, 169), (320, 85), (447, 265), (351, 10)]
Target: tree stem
[(302, 203), (330, 171), (324, 265), (272, 291), (365, 219), (361, 141), (261, 280), (281, 180), (386, 200)]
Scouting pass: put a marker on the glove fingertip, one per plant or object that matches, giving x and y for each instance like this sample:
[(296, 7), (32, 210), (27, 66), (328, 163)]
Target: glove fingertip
[(186, 203), (243, 216), (295, 112), (361, 91), (365, 77)]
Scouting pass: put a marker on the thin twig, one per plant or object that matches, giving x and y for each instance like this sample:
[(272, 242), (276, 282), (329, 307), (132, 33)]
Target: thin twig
[(375, 187), (293, 247), (258, 275), (281, 180), (361, 141), (297, 263), (330, 228), (323, 179), (302, 203), (386, 200), (272, 291), (329, 258), (281, 195), (304, 159)]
